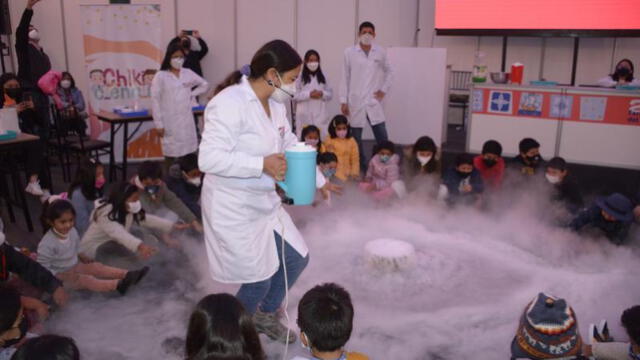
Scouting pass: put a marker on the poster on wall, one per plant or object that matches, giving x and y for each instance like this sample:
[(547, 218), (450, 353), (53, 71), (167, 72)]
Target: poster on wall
[(121, 42), (530, 104)]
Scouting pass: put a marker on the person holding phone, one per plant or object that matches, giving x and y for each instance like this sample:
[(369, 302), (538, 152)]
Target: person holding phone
[(194, 48)]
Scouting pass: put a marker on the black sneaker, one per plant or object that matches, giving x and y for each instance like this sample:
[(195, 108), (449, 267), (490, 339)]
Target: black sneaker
[(594, 335), (139, 274), (604, 332), (125, 284)]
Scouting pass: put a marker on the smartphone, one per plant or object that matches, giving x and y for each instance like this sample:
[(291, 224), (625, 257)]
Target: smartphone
[(188, 32)]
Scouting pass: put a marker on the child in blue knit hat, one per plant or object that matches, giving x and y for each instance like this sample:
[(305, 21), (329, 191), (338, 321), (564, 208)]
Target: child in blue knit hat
[(612, 215)]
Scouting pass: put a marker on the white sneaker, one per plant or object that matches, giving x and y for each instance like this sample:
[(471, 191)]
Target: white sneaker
[(46, 194), (34, 188)]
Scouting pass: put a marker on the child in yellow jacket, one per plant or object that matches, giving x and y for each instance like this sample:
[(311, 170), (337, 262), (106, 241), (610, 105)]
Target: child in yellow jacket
[(345, 147)]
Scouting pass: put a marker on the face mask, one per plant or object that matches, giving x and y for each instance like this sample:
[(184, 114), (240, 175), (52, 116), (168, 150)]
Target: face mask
[(313, 66), (623, 71), (552, 179), (100, 182), (342, 133), (534, 160), (134, 207), (384, 158), (177, 63), (23, 327), (308, 346), (312, 142), (424, 160), (65, 84), (366, 39), (283, 92), (489, 162), (34, 35), (152, 189), (463, 174), (14, 93), (328, 173), (196, 181)]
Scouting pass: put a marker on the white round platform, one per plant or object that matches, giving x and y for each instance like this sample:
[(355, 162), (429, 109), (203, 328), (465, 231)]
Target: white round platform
[(390, 255)]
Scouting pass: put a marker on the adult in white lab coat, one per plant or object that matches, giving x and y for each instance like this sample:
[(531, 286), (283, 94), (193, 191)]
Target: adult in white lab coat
[(173, 90), (366, 79), (622, 75), (313, 93), (246, 131)]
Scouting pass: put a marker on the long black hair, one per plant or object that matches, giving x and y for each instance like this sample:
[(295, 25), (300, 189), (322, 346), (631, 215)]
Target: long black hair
[(220, 328), (171, 48), (73, 81), (339, 120), (86, 179), (53, 347), (118, 196), (615, 76), (51, 211), (308, 130), (306, 73), (425, 143), (276, 54)]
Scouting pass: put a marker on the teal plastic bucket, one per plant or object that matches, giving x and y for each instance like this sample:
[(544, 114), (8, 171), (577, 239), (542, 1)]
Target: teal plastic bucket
[(300, 180)]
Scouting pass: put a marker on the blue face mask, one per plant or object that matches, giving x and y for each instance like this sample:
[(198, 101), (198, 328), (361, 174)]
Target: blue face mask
[(384, 158), (152, 189), (328, 173)]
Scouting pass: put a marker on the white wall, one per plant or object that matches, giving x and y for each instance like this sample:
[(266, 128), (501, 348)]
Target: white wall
[(234, 29)]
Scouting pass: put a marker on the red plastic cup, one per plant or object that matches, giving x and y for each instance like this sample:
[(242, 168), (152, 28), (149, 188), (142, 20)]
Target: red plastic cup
[(517, 72)]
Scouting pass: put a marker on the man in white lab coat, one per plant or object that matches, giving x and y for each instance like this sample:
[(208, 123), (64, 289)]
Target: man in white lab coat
[(366, 79)]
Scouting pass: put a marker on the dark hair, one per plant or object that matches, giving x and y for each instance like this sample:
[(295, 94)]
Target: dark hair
[(5, 78), (492, 147), (615, 76), (86, 179), (527, 144), (308, 130), (171, 48), (149, 170), (366, 24), (220, 328), (149, 72), (276, 54), (118, 195), (10, 305), (339, 120), (384, 145), (557, 163), (463, 159), (95, 71), (306, 73), (51, 211), (188, 162), (325, 316), (73, 81), (425, 143), (327, 157), (48, 347), (630, 320)]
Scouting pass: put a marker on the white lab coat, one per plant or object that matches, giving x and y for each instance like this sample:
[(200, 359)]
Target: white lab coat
[(240, 207), (312, 111), (608, 82), (172, 101), (362, 76)]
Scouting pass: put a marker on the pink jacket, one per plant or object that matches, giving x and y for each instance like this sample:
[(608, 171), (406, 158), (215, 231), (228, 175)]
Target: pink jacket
[(48, 83), (382, 175)]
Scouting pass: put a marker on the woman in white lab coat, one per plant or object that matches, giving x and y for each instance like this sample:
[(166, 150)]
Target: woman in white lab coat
[(173, 90), (313, 93), (622, 75), (247, 232)]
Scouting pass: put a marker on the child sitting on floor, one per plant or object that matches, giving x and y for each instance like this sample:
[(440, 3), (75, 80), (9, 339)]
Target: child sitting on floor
[(185, 180), (58, 252), (612, 215), (490, 164), (463, 183), (383, 175), (325, 318)]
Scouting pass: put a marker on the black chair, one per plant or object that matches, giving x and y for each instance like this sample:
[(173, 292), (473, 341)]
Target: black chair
[(459, 91)]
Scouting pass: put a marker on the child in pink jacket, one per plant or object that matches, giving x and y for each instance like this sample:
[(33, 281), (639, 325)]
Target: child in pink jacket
[(382, 180)]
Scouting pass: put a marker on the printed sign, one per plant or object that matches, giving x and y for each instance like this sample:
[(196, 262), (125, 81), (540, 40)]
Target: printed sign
[(592, 108), (561, 106), (477, 100), (500, 102), (530, 104)]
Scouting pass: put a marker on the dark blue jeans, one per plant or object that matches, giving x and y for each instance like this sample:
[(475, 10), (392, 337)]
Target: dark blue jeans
[(379, 132), (268, 294)]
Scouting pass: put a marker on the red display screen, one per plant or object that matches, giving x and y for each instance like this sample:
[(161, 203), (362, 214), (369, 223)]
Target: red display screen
[(545, 15)]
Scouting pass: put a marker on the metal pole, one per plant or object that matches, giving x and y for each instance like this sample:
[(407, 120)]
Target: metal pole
[(574, 64), (235, 34), (415, 39), (503, 66), (64, 36), (542, 56)]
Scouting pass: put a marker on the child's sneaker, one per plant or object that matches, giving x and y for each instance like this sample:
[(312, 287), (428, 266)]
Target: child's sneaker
[(125, 284), (139, 274), (604, 332), (268, 324), (594, 335), (34, 188)]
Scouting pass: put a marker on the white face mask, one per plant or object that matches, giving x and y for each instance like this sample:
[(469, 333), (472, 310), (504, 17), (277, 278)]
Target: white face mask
[(196, 181), (134, 207), (65, 84), (34, 35), (552, 179), (313, 66), (423, 160), (177, 63), (366, 39), (283, 92)]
